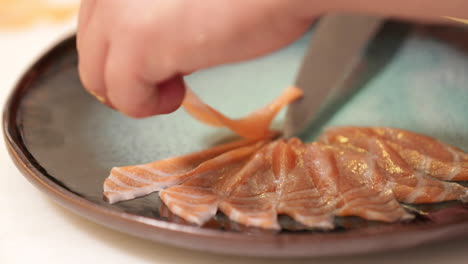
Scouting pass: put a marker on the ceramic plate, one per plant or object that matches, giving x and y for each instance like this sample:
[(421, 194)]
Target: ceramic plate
[(65, 143)]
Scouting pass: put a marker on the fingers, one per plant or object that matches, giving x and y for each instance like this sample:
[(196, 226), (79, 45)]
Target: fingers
[(171, 94), (110, 62), (130, 51), (130, 92), (86, 10), (92, 46)]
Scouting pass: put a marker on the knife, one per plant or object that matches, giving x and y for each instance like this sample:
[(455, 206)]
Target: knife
[(331, 60)]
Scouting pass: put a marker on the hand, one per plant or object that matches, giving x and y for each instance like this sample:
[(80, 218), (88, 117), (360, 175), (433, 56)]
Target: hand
[(133, 54)]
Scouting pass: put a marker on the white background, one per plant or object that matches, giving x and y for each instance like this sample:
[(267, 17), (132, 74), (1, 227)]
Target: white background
[(33, 229)]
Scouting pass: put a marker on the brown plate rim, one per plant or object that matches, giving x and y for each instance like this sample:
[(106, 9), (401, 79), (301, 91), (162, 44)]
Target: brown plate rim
[(192, 237)]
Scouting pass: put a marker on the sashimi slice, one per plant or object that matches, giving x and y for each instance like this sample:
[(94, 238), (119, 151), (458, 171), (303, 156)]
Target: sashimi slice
[(349, 180), (363, 190), (197, 199), (421, 152), (194, 204), (412, 186), (277, 181), (298, 194), (427, 155), (409, 184), (252, 199), (125, 183), (254, 126)]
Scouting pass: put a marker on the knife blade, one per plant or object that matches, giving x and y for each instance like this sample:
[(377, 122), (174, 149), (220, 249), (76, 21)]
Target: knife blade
[(331, 59)]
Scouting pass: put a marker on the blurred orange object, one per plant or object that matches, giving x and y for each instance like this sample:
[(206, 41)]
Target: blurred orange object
[(22, 13)]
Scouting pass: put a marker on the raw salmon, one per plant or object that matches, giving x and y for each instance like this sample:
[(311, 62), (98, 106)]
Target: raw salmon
[(254, 126), (277, 182), (413, 182), (349, 171), (421, 152), (129, 182), (355, 184), (302, 193), (197, 199)]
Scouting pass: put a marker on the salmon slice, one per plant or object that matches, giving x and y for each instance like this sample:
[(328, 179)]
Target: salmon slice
[(412, 186), (409, 184), (299, 195), (197, 199), (427, 155), (277, 181), (352, 182), (363, 190), (254, 126), (129, 182), (422, 153), (252, 199)]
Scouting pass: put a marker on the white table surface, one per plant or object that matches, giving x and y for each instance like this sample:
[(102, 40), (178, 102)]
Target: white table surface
[(33, 229)]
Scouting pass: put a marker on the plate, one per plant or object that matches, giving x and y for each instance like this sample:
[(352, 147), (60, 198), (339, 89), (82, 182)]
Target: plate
[(65, 143)]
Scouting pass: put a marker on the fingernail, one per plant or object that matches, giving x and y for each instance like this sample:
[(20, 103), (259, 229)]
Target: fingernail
[(100, 98)]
